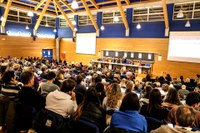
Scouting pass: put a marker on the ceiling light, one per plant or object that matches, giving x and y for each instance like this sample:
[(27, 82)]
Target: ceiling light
[(30, 14), (54, 30), (102, 27), (74, 22), (138, 26), (27, 28), (116, 19), (187, 24), (75, 29), (3, 19), (74, 4), (46, 25), (180, 14)]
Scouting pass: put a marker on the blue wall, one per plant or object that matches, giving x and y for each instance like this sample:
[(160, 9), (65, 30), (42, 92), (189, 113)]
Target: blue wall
[(148, 30)]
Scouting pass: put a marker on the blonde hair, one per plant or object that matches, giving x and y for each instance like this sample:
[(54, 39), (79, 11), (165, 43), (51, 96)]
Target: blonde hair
[(113, 95), (129, 86)]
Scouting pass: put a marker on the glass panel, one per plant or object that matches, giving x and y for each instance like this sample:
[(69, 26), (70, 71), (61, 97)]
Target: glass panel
[(13, 12), (197, 14), (156, 10), (12, 18), (110, 14), (24, 14), (140, 11), (197, 5), (108, 21)]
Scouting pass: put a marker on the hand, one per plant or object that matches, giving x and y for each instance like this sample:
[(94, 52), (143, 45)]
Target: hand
[(73, 96)]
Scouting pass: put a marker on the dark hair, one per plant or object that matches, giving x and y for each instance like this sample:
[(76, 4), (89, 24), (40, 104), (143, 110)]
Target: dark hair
[(26, 77), (8, 75), (155, 100), (51, 75), (97, 79), (192, 98), (99, 87), (3, 69), (172, 97), (91, 97), (79, 78), (130, 102), (148, 89), (67, 85), (185, 116)]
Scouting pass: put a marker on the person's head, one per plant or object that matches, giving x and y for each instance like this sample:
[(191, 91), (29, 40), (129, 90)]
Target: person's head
[(113, 94), (183, 87), (79, 79), (8, 76), (99, 87), (185, 116), (4, 68), (148, 89), (51, 75), (97, 79), (173, 97), (155, 99), (129, 86), (67, 85), (193, 99), (130, 102), (165, 87), (27, 78), (91, 98)]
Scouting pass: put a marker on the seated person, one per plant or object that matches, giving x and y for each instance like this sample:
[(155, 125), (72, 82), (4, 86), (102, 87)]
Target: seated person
[(128, 117), (154, 108), (192, 100), (90, 110), (62, 102), (185, 117)]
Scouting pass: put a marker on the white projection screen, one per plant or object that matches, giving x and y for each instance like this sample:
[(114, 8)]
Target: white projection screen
[(86, 43), (184, 46)]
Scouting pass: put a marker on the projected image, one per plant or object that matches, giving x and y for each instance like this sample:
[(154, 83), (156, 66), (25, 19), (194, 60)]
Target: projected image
[(184, 46)]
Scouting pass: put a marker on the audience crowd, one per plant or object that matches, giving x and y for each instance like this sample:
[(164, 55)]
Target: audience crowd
[(38, 95)]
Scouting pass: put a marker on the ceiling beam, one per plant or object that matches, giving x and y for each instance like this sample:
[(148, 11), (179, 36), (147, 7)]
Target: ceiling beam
[(68, 6), (123, 16), (95, 4), (41, 15), (5, 15), (65, 16), (39, 4), (90, 15), (55, 7), (29, 5), (164, 5), (127, 2)]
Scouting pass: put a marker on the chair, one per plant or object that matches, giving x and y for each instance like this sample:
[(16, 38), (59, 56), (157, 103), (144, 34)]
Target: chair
[(117, 130), (153, 123), (47, 121), (83, 126)]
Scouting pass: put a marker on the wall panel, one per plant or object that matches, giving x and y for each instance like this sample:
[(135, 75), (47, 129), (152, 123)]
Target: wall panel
[(24, 46), (157, 45)]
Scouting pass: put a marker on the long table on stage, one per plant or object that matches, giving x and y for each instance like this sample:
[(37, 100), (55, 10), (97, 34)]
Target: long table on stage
[(111, 65)]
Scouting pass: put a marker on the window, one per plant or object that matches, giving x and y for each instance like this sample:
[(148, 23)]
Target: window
[(108, 17), (48, 21), (84, 20), (191, 10), (152, 14), (19, 17), (63, 22)]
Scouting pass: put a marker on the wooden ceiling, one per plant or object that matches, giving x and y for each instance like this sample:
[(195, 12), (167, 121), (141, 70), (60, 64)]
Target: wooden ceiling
[(52, 9)]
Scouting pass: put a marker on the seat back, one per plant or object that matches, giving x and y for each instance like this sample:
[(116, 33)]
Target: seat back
[(153, 123), (47, 121), (83, 126), (117, 130)]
